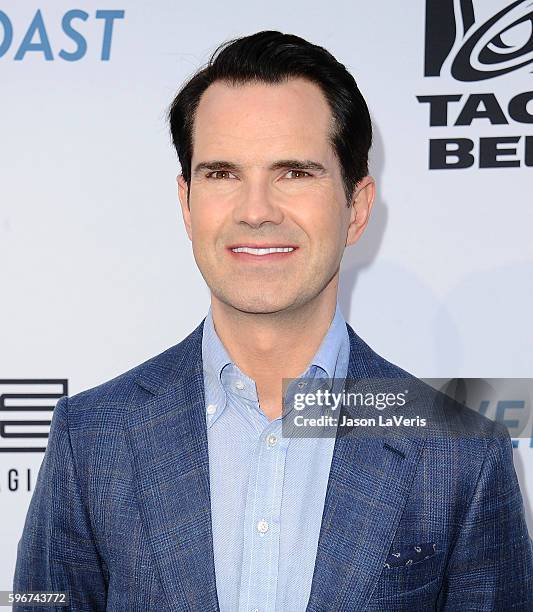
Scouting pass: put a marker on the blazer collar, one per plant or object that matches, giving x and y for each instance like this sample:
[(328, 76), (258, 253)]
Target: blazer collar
[(368, 485)]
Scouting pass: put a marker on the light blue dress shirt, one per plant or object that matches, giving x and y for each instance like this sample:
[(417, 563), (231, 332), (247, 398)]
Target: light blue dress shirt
[(267, 490)]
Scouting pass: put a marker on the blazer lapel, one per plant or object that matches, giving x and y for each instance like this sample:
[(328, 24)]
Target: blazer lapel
[(369, 481), (168, 441)]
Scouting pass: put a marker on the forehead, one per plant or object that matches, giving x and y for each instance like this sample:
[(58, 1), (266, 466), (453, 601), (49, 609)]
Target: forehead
[(262, 119)]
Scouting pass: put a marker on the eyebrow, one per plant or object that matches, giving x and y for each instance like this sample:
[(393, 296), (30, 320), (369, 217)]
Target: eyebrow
[(293, 164)]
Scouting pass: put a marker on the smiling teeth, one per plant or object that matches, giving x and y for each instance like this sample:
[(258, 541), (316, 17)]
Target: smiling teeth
[(263, 251)]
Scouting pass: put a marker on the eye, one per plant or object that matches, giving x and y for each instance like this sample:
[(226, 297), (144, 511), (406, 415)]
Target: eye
[(298, 174), (219, 174)]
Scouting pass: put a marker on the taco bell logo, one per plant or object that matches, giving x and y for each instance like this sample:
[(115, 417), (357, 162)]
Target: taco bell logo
[(476, 43)]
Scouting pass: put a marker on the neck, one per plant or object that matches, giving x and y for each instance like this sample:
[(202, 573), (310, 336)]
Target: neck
[(272, 346)]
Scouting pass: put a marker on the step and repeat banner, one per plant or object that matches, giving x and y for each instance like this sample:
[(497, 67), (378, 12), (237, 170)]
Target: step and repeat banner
[(97, 270)]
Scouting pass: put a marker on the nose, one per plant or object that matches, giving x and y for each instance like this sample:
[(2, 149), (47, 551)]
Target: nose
[(257, 205)]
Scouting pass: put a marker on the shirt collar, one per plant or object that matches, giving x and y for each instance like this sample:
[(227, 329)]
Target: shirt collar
[(329, 353), (331, 359)]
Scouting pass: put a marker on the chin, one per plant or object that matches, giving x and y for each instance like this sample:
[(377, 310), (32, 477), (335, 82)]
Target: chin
[(257, 304)]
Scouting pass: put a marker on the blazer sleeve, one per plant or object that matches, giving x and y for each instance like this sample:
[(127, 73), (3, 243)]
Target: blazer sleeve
[(491, 566), (57, 549)]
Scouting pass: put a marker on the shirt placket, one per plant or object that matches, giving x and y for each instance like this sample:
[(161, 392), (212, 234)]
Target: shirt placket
[(259, 576)]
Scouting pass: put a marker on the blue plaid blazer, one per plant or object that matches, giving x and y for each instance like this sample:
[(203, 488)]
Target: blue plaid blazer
[(120, 516)]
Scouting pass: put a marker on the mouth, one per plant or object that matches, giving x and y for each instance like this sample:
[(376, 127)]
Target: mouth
[(261, 252)]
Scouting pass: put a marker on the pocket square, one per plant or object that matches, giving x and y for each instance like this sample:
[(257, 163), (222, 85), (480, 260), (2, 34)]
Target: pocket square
[(407, 555)]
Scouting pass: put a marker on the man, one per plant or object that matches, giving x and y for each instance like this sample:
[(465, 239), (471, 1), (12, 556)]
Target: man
[(172, 487)]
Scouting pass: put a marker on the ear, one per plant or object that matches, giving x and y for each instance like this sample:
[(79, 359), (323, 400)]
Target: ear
[(184, 202), (360, 207)]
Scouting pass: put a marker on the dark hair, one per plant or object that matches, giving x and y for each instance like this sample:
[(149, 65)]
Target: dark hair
[(271, 57)]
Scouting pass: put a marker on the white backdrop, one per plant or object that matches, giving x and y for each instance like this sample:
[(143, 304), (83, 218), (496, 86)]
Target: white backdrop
[(98, 273)]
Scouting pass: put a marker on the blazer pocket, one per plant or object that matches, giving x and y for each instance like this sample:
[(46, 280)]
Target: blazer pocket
[(399, 580), (410, 555)]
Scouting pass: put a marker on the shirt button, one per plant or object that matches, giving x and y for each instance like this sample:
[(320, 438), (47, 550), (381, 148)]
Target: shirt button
[(262, 526), (301, 385), (271, 440), (211, 409), (240, 385)]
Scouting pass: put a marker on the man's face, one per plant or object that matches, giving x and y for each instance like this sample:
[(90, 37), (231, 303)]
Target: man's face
[(264, 175)]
